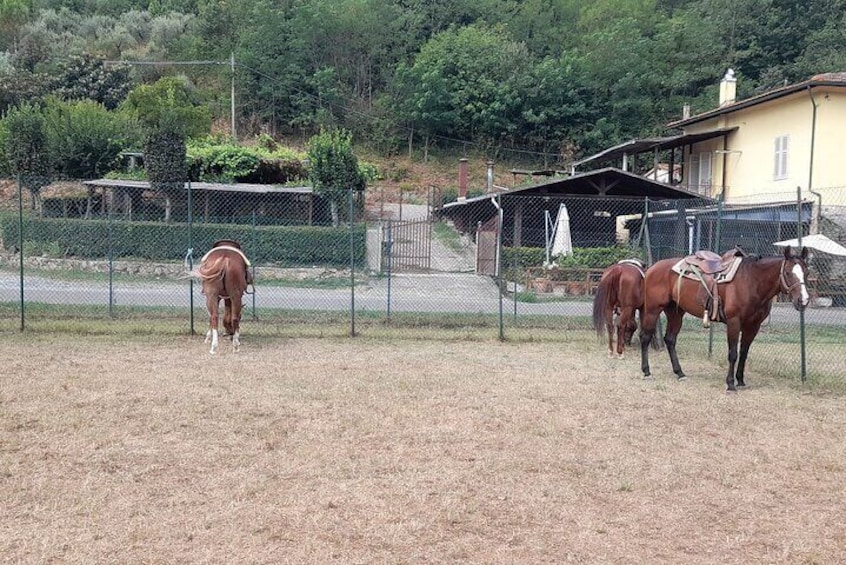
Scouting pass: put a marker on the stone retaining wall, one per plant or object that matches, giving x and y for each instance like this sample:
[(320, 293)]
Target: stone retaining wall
[(151, 270)]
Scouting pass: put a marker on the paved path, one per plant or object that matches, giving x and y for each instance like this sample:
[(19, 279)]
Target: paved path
[(428, 293)]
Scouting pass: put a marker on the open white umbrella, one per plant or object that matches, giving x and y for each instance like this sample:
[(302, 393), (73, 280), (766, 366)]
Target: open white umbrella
[(817, 241)]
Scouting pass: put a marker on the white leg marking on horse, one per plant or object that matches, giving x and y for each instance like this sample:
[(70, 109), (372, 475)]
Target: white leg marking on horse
[(236, 341), (213, 349), (797, 271), (208, 337)]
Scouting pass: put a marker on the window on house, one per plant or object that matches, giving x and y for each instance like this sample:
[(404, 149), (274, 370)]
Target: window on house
[(780, 160), (700, 173)]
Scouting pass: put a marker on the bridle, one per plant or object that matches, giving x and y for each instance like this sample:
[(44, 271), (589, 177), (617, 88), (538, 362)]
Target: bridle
[(786, 288)]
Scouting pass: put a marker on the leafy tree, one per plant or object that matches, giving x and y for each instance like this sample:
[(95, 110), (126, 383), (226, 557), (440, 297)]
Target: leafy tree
[(13, 14), (559, 106), (26, 148), (333, 168), (466, 83), (169, 114), (20, 86), (84, 77), (84, 138), (548, 27)]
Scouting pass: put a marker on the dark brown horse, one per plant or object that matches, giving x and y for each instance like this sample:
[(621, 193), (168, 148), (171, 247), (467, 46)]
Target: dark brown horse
[(746, 303), (620, 293), (225, 275)]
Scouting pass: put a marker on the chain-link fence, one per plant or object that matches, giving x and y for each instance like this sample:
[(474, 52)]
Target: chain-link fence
[(87, 256)]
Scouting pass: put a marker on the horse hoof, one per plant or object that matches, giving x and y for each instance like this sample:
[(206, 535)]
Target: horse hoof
[(682, 377), (621, 355), (648, 377), (731, 390)]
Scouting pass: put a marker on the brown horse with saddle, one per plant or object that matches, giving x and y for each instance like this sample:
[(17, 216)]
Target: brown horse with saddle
[(225, 275), (735, 290)]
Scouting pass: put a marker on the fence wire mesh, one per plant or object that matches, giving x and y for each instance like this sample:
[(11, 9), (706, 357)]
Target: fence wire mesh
[(89, 255)]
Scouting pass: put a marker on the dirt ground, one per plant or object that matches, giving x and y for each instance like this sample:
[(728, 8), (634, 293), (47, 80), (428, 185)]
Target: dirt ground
[(358, 451)]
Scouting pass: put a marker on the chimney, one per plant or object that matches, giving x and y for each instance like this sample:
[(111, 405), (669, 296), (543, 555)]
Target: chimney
[(490, 180), (686, 112), (728, 89), (462, 179)]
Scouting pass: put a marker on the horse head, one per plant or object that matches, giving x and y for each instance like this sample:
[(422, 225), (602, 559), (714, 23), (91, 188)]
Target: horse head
[(629, 331), (793, 277)]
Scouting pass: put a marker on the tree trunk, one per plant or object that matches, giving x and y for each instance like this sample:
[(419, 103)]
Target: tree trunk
[(333, 208)]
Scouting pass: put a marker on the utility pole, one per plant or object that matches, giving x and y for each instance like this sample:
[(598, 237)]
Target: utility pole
[(232, 96)]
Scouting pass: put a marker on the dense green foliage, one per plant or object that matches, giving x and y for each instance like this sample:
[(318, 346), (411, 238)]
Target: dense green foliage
[(542, 80), (219, 159), (333, 168), (288, 246), (26, 149), (522, 258), (168, 114), (84, 138)]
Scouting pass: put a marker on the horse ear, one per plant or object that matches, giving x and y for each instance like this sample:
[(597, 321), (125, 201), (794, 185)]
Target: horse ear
[(804, 253), (787, 252)]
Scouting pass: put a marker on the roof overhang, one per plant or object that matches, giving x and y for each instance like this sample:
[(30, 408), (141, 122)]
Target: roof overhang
[(247, 188), (836, 80), (636, 146), (609, 182)]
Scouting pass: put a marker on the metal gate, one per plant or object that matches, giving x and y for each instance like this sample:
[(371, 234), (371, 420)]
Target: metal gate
[(407, 245), (487, 236)]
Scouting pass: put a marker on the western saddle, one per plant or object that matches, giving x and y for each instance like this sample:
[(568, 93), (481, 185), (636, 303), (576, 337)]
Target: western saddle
[(706, 266)]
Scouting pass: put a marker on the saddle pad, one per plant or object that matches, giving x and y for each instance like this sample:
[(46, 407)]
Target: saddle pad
[(683, 269), (235, 249), (634, 263)]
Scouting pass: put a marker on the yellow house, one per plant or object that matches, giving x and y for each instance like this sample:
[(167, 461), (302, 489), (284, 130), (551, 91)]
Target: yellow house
[(773, 142)]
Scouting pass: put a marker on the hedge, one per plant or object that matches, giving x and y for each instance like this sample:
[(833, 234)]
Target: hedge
[(287, 246)]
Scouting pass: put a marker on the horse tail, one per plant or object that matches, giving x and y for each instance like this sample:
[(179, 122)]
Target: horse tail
[(212, 269), (606, 294)]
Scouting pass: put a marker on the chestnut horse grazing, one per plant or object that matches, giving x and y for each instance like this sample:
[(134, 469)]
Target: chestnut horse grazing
[(620, 292), (225, 275), (745, 303)]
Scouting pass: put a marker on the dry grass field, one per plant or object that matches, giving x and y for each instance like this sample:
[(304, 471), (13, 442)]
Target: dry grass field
[(118, 450)]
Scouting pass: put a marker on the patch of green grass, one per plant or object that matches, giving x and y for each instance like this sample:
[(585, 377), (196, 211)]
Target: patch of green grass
[(325, 283), (448, 236), (93, 276), (527, 296)]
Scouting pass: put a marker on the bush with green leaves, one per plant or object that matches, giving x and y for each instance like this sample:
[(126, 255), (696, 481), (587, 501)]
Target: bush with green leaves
[(27, 149), (287, 246), (221, 162), (333, 168), (517, 260), (596, 257), (219, 159), (84, 138)]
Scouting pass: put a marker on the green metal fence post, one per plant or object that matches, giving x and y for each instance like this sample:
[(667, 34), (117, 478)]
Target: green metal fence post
[(190, 258), (498, 267), (352, 265), (717, 249), (803, 353), (21, 251), (111, 261), (253, 266)]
